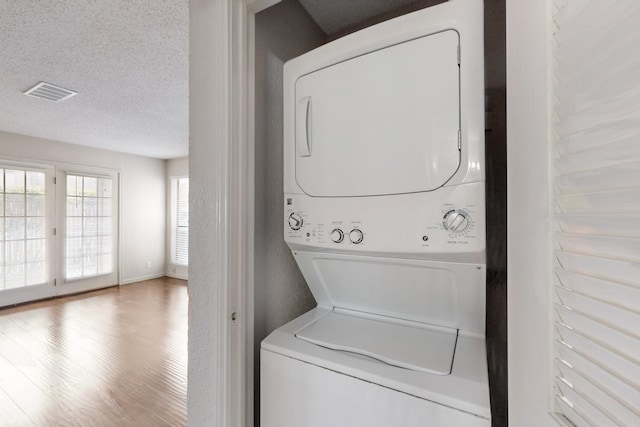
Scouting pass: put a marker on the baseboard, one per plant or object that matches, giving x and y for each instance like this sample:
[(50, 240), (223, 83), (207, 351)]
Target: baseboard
[(177, 276), (141, 278)]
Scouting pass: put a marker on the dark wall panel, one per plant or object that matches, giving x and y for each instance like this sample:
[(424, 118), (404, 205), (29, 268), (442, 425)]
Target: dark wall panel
[(496, 162)]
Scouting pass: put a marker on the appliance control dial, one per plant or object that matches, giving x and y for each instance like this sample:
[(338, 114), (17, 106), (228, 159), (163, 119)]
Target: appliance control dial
[(456, 220), (295, 221), (337, 235), (356, 236)]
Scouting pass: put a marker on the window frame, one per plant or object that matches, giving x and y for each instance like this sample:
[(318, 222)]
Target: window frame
[(75, 285), (112, 235)]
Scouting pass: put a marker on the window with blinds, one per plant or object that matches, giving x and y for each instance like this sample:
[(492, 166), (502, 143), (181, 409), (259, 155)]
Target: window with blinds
[(180, 220), (597, 203)]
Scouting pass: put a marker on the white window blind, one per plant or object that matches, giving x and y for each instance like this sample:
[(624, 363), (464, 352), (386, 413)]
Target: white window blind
[(597, 202), (180, 212)]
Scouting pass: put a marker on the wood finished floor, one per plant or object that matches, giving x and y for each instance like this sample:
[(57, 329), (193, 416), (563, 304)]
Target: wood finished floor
[(114, 357)]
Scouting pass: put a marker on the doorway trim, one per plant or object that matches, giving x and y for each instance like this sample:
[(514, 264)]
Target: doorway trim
[(242, 166), (221, 164)]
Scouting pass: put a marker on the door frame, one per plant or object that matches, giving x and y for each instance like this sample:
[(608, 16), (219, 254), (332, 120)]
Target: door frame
[(221, 164), (242, 148)]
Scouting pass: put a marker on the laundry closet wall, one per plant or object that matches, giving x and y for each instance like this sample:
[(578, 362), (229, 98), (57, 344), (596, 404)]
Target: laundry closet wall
[(281, 294)]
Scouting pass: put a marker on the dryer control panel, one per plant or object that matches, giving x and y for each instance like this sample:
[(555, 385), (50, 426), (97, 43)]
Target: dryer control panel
[(446, 224)]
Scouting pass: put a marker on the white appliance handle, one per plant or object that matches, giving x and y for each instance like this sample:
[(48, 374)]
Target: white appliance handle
[(303, 127)]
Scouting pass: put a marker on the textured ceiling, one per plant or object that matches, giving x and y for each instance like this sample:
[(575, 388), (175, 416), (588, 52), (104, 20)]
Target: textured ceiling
[(335, 15), (127, 59)]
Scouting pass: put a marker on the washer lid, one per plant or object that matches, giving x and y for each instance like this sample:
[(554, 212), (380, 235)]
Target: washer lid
[(386, 122), (446, 294), (405, 345)]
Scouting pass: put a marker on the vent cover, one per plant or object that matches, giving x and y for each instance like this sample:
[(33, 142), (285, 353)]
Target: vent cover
[(50, 92)]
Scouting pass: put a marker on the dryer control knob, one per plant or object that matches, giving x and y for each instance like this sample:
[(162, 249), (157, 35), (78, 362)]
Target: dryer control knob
[(337, 235), (456, 220), (356, 236), (295, 221)]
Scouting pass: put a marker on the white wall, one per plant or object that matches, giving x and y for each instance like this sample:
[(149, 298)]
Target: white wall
[(529, 229), (142, 196), (175, 168), (178, 167), (207, 99)]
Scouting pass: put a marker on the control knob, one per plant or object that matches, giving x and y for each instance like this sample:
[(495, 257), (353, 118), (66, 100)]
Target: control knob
[(356, 236), (295, 221), (337, 235), (456, 220)]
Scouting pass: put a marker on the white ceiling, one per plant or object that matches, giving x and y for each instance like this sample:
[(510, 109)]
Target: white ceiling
[(127, 59)]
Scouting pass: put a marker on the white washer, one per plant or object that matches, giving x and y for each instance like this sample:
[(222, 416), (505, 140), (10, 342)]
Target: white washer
[(307, 385), (385, 216)]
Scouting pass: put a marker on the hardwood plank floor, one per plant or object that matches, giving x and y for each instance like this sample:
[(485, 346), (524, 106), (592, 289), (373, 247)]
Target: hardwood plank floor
[(113, 357)]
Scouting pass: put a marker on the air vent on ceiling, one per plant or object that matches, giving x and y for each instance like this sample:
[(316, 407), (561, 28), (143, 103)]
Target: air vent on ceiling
[(50, 92)]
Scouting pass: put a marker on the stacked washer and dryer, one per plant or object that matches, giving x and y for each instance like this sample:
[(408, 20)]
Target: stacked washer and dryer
[(385, 216)]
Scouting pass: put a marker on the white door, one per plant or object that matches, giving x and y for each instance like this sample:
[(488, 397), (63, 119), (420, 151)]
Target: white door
[(87, 212), (27, 200)]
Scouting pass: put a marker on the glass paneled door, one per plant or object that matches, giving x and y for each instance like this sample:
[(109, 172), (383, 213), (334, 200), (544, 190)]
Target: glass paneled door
[(26, 232), (88, 220)]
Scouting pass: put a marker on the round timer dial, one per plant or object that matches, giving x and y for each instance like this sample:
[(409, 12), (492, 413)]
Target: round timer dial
[(456, 220), (295, 221)]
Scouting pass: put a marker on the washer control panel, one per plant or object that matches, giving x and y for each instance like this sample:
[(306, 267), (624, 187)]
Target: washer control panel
[(448, 220)]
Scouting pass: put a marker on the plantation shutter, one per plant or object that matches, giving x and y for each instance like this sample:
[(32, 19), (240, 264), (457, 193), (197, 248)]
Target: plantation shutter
[(597, 204), (181, 212)]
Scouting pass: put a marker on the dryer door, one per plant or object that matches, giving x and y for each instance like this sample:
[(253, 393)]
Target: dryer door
[(382, 123)]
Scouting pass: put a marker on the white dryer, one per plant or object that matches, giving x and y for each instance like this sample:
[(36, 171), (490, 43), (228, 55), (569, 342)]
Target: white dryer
[(385, 216)]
